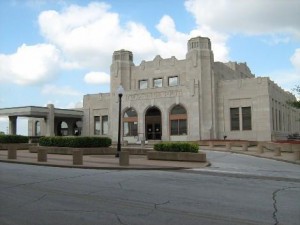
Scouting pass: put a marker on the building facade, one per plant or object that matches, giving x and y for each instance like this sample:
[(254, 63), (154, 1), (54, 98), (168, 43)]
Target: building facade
[(191, 99), (187, 100)]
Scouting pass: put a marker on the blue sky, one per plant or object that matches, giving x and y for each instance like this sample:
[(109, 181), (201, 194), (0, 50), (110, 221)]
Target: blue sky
[(55, 51)]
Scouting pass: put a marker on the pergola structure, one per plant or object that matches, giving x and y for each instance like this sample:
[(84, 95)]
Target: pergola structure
[(52, 117)]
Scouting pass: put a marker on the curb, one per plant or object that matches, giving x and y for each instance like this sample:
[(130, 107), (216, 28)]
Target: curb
[(101, 168)]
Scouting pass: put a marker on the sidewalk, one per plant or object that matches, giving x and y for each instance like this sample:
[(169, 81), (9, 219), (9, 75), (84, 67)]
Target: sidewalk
[(288, 157), (136, 162)]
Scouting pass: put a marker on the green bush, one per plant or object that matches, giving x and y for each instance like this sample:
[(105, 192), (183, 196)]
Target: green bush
[(176, 147), (75, 142), (13, 139)]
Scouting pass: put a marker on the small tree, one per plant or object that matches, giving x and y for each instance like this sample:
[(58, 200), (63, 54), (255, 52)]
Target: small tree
[(296, 104)]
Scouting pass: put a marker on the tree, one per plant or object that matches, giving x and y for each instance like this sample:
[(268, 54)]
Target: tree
[(296, 103)]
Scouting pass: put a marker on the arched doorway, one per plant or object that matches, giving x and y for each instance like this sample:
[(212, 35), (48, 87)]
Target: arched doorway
[(62, 129), (153, 124)]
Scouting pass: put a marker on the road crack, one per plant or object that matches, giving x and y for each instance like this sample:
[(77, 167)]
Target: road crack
[(159, 204), (274, 198)]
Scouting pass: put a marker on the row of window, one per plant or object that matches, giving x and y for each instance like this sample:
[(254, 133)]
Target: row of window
[(240, 118), (245, 123), (158, 82)]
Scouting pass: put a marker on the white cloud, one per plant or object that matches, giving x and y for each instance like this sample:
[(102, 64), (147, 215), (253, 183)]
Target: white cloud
[(60, 90), (295, 59), (31, 64), (248, 17), (289, 79), (97, 78), (87, 36)]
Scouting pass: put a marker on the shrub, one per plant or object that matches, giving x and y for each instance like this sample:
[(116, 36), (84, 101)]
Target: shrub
[(176, 147), (75, 142), (13, 139)]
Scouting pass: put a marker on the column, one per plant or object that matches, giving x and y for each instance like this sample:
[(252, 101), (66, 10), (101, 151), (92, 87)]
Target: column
[(12, 125), (50, 121)]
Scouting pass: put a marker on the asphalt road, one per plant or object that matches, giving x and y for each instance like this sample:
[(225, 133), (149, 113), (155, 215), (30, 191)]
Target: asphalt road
[(47, 195)]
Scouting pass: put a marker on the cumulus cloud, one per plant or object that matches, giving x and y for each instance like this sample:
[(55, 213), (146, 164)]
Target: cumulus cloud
[(295, 60), (60, 90), (248, 17), (31, 64), (97, 78), (88, 35)]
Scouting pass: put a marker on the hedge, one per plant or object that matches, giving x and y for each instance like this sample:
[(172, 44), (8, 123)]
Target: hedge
[(5, 139), (176, 147), (75, 142)]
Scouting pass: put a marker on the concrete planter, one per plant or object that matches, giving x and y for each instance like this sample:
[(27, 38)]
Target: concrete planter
[(16, 146), (177, 156), (87, 151)]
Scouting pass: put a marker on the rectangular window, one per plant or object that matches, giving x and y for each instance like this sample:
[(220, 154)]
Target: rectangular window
[(174, 127), (104, 125), (143, 84), (130, 129), (97, 125), (234, 119), (178, 127), (246, 118), (173, 81), (157, 83)]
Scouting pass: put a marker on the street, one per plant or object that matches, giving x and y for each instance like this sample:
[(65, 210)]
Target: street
[(222, 194)]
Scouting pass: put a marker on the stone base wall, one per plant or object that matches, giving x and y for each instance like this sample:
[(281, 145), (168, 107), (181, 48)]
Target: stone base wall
[(177, 156), (87, 151)]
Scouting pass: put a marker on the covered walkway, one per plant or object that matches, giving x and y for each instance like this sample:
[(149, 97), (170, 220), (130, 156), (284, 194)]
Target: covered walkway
[(52, 117)]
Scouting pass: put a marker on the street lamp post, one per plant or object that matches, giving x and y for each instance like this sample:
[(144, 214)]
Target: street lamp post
[(120, 92)]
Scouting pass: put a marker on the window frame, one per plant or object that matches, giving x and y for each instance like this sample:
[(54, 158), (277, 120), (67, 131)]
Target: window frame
[(131, 123), (140, 82), (246, 125), (155, 79), (104, 125), (234, 121), (177, 120), (177, 81), (96, 125)]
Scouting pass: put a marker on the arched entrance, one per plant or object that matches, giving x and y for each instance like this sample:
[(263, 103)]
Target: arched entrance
[(153, 124), (62, 129)]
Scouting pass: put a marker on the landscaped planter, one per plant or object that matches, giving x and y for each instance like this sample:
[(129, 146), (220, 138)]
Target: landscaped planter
[(177, 156)]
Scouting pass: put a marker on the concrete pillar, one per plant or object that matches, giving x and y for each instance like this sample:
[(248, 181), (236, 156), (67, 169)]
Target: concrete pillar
[(211, 144), (260, 148), (77, 157), (142, 143), (228, 145), (245, 146), (12, 125), (277, 151), (125, 143), (124, 158), (12, 152), (50, 121), (42, 155), (297, 154)]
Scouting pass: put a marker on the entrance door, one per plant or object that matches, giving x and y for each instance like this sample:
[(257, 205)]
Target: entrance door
[(153, 124)]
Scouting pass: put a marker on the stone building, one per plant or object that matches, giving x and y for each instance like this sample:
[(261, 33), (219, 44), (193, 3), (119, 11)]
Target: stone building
[(191, 99)]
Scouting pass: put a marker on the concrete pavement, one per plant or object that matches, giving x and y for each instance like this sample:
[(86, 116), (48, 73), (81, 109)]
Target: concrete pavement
[(136, 161)]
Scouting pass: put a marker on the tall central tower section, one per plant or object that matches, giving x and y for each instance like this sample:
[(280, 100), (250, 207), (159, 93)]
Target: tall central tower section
[(120, 74), (199, 72)]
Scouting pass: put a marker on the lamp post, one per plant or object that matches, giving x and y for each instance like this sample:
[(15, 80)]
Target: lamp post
[(120, 92)]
